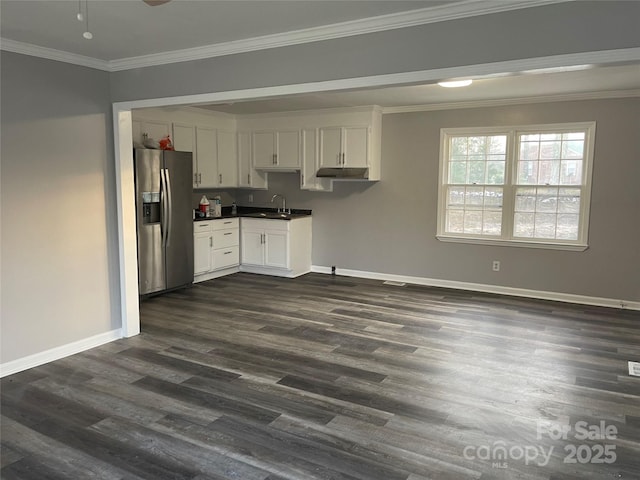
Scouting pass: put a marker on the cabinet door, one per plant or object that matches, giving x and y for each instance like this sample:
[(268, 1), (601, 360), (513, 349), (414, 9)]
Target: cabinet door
[(310, 162), (288, 149), (202, 244), (252, 246), (356, 146), (331, 147), (276, 249), (184, 140), (227, 160), (248, 177), (263, 149), (155, 130), (207, 151)]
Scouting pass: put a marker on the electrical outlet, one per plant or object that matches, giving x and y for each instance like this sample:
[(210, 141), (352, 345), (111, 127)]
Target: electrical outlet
[(251, 198), (496, 266)]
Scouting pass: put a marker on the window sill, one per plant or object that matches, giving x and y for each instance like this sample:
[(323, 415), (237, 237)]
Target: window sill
[(514, 243)]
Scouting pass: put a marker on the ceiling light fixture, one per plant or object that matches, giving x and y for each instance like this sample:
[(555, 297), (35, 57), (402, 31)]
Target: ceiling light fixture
[(80, 16), (87, 34), (456, 83)]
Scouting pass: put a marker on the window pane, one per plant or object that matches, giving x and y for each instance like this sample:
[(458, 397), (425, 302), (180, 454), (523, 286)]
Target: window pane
[(549, 150), (573, 136), (526, 200), (548, 172), (529, 150), (523, 225), (547, 200), (492, 223), (476, 172), (568, 227), (457, 172), (455, 221), (474, 196), (459, 146), (570, 172), (493, 197), (531, 137), (497, 144), (495, 173), (455, 197), (573, 149), (528, 173), (550, 136), (477, 145), (473, 221), (545, 225), (569, 200)]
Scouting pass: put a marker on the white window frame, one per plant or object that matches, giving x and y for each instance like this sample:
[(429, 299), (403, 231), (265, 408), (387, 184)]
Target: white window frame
[(510, 184)]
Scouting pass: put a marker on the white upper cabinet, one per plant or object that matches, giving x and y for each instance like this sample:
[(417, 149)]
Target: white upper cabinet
[(276, 150), (248, 177), (310, 163), (227, 159), (184, 140), (342, 147), (142, 129), (207, 157), (215, 163)]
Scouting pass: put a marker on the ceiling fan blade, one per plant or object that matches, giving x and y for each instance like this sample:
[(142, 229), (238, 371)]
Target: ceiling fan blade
[(154, 3)]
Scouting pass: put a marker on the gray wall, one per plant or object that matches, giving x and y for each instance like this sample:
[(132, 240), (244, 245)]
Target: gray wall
[(390, 226), (558, 29), (59, 243)]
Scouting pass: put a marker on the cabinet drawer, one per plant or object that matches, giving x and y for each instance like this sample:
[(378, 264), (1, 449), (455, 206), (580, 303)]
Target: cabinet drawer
[(226, 238), (202, 226), (225, 223), (226, 257)]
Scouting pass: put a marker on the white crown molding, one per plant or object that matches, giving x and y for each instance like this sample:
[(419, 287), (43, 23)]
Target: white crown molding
[(441, 13), (30, 361), (565, 97), (481, 287), (52, 54), (469, 8)]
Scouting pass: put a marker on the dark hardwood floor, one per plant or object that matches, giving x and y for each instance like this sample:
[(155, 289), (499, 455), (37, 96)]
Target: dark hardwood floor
[(250, 377)]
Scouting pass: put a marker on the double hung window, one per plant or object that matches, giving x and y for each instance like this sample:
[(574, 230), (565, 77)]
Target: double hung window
[(524, 186)]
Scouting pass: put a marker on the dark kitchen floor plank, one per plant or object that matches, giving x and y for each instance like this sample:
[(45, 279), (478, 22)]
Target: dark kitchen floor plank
[(327, 377)]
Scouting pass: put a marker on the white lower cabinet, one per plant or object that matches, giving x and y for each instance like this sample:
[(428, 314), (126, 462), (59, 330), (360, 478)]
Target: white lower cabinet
[(216, 248), (276, 247)]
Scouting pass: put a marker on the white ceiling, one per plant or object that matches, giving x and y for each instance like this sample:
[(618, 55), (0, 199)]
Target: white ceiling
[(131, 30), (593, 81)]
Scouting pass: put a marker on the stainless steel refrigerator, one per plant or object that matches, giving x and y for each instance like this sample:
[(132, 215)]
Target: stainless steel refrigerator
[(165, 219)]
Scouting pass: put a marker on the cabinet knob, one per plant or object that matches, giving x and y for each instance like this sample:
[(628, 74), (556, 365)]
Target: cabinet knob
[(220, 177)]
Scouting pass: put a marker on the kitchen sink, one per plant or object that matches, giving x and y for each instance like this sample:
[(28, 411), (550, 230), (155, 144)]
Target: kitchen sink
[(273, 215)]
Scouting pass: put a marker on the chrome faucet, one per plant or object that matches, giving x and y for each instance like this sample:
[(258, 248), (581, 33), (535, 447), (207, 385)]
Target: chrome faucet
[(284, 203)]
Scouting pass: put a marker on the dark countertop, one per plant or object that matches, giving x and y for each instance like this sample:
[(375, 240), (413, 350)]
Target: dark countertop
[(258, 212)]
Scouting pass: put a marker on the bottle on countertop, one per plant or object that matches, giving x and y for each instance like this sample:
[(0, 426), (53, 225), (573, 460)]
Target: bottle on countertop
[(204, 206), (234, 209)]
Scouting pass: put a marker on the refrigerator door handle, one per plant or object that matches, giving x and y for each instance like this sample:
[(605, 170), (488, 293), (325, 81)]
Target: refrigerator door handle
[(170, 205), (164, 223)]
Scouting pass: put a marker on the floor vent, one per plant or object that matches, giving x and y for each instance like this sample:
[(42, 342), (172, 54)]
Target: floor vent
[(397, 284), (634, 369)]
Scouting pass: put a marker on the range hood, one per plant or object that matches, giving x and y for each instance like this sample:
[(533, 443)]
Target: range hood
[(344, 173)]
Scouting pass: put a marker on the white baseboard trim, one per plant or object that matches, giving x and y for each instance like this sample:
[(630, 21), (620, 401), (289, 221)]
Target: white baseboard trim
[(481, 287), (57, 353), (216, 274)]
